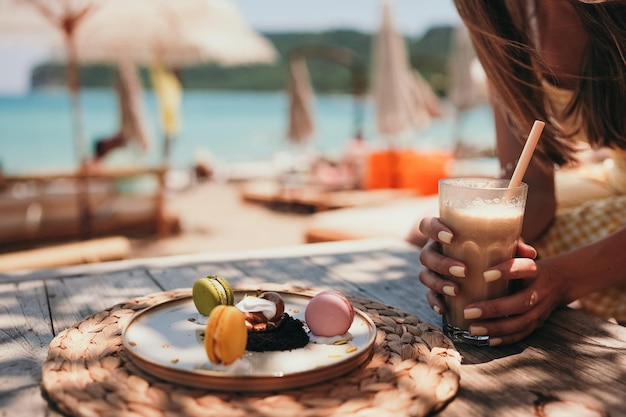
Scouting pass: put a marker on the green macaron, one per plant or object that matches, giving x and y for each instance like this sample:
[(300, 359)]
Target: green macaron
[(211, 291)]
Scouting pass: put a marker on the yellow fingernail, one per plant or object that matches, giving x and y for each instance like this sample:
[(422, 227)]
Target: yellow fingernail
[(445, 237), (472, 313), (457, 271), (495, 341), (478, 331), (437, 309), (492, 275), (449, 290)]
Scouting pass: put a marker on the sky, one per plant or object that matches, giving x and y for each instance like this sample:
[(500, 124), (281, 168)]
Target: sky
[(411, 17)]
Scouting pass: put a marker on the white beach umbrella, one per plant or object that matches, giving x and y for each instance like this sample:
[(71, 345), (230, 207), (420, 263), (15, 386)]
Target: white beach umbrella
[(20, 23), (167, 34), (173, 33), (426, 97), (399, 100)]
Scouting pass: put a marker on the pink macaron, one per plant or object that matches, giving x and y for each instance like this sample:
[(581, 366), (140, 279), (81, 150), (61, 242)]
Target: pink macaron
[(329, 314)]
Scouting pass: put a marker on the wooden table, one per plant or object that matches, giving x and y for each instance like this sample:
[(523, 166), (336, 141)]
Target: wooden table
[(573, 356)]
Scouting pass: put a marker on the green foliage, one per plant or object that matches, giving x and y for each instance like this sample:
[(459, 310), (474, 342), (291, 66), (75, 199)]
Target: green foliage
[(429, 56)]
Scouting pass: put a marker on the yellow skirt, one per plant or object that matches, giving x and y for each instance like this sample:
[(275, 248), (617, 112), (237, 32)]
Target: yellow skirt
[(581, 225)]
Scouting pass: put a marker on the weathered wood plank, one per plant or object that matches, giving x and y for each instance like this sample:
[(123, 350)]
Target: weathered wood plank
[(25, 401), (390, 277), (73, 299), (203, 258), (553, 361), (25, 333), (184, 277)]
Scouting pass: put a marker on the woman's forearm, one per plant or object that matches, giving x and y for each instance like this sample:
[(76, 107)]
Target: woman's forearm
[(591, 268)]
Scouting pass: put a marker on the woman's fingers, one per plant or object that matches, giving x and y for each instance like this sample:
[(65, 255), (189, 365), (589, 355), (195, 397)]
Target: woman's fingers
[(434, 229), (436, 302), (512, 318), (428, 228), (514, 305), (516, 268), (524, 250), (432, 258), (521, 301), (436, 283), (513, 328), (435, 265)]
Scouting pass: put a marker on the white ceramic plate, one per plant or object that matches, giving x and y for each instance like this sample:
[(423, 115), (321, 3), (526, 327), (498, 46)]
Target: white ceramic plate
[(166, 341)]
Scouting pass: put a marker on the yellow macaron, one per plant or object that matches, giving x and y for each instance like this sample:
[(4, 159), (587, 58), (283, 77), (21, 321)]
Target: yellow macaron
[(226, 336)]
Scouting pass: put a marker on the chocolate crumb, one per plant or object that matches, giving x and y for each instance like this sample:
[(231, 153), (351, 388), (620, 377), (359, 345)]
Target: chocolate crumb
[(290, 334)]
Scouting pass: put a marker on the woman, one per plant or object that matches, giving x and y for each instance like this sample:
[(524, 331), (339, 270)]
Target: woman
[(562, 61)]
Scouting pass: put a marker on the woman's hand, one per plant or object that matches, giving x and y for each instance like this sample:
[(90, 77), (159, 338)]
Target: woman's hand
[(512, 318), (436, 266), (508, 319)]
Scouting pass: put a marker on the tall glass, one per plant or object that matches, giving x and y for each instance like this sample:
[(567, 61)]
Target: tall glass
[(485, 217)]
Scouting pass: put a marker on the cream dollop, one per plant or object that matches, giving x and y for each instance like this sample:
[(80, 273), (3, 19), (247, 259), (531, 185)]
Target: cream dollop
[(251, 304)]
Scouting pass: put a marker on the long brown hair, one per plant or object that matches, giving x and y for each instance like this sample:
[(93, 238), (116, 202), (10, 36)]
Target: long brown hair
[(501, 34)]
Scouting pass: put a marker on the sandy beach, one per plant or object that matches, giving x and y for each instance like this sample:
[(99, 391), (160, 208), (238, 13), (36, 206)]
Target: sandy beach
[(214, 218)]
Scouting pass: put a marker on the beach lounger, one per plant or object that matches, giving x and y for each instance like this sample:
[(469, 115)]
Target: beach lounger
[(393, 219), (313, 199)]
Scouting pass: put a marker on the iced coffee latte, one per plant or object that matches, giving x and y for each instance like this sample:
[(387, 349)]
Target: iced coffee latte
[(486, 220)]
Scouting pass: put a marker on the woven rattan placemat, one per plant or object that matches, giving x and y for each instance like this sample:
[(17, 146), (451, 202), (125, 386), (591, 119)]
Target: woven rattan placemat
[(414, 371)]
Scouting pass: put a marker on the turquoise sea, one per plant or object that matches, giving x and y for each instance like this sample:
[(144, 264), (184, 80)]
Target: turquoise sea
[(36, 128)]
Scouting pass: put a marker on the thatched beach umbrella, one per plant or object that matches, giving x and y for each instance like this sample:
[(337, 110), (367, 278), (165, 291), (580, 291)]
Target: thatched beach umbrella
[(172, 33), (51, 23), (399, 99), (163, 32), (166, 35), (300, 91), (468, 81), (402, 99), (300, 94)]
